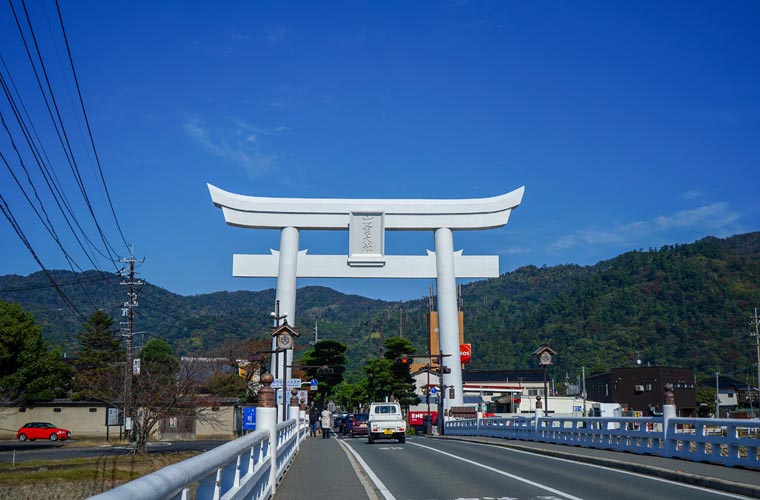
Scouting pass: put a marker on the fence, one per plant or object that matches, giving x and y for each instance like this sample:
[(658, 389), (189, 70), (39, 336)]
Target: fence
[(726, 442), (249, 467)]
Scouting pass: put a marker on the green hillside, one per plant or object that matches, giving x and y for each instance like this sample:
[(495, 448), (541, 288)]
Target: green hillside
[(685, 305)]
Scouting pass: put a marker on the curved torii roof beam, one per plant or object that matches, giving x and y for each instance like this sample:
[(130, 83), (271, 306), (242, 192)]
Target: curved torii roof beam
[(399, 214)]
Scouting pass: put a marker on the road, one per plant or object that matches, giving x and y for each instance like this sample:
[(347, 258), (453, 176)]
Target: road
[(441, 469)]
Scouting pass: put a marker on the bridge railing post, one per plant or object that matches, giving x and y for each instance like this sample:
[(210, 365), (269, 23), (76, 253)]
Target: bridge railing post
[(539, 413), (668, 412), (266, 416), (294, 412)]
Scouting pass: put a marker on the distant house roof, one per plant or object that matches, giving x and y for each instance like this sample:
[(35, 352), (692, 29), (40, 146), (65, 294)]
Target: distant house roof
[(512, 376), (727, 383)]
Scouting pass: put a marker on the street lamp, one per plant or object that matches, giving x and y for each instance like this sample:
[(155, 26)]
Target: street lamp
[(544, 354), (284, 342)]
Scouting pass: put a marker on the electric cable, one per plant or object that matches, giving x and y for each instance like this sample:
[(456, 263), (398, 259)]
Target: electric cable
[(51, 180), (9, 215), (61, 132), (87, 122)]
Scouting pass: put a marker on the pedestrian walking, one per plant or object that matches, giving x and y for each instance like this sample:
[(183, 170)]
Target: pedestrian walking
[(326, 423), (313, 420)]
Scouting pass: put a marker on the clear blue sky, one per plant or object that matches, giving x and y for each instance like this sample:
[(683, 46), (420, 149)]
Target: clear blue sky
[(631, 125)]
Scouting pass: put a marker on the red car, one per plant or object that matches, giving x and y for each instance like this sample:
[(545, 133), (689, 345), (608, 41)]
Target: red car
[(359, 424), (42, 430)]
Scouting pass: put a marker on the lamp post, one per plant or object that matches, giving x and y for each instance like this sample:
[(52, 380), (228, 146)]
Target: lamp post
[(284, 335), (429, 421), (442, 370), (756, 321), (544, 355)]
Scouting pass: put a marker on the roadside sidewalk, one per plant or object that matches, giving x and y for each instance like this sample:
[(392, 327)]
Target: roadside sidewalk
[(322, 469)]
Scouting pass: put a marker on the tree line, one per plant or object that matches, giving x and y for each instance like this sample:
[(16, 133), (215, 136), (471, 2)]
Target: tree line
[(32, 370)]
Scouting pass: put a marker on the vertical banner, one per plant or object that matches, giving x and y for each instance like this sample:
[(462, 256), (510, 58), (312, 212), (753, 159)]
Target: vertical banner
[(249, 418)]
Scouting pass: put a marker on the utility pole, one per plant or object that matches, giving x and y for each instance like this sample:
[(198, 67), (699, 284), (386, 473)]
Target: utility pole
[(401, 322), (755, 321), (583, 390), (442, 370), (717, 395), (127, 328)]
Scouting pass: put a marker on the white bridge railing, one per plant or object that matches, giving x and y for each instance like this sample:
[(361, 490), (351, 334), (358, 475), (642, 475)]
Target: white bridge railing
[(727, 442), (249, 467)]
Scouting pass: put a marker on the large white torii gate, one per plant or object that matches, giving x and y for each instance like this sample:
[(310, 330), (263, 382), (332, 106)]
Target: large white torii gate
[(367, 220)]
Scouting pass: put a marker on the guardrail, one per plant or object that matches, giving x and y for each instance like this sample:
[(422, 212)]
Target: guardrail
[(726, 442), (248, 467)]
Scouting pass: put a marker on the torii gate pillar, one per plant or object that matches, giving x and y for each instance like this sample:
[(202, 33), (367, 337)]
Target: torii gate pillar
[(448, 316), (286, 292), (367, 220)]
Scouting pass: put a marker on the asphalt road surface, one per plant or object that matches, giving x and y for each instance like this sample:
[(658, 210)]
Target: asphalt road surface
[(441, 469)]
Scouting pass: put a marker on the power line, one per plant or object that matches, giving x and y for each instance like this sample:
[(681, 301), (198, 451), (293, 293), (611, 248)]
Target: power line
[(73, 163), (60, 283), (9, 215), (87, 122), (51, 180), (37, 151)]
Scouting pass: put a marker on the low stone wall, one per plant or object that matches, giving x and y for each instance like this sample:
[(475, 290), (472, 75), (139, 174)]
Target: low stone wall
[(88, 421)]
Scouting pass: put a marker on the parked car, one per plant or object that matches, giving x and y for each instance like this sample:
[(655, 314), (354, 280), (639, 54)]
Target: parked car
[(42, 430), (359, 424)]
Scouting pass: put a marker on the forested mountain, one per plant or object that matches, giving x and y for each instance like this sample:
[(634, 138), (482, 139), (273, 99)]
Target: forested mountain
[(683, 305)]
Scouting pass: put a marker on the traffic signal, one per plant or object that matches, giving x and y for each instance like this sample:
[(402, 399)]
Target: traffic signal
[(404, 359)]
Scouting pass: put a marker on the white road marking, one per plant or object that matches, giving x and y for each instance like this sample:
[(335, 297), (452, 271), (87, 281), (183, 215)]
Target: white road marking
[(378, 484), (621, 471), (497, 471)]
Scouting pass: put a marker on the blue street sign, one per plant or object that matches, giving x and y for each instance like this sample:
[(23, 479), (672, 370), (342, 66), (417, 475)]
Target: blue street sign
[(314, 382), (249, 418), (433, 390)]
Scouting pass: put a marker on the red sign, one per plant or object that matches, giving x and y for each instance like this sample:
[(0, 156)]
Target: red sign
[(465, 353), (417, 418)]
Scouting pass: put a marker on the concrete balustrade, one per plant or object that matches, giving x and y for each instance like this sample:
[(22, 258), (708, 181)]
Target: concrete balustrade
[(249, 467)]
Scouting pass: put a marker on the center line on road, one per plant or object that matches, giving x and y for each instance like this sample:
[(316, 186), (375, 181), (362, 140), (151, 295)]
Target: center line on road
[(507, 474)]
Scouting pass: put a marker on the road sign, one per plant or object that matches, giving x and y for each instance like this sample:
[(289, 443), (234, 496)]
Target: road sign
[(292, 383), (249, 418), (314, 384), (433, 390)]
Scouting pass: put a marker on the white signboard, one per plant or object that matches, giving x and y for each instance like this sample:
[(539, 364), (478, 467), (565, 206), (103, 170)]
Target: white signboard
[(303, 397), (293, 383)]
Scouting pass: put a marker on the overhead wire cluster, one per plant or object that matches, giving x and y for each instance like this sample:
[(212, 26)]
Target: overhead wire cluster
[(53, 189)]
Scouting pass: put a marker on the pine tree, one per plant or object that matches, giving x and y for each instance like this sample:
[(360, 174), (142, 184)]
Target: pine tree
[(99, 344)]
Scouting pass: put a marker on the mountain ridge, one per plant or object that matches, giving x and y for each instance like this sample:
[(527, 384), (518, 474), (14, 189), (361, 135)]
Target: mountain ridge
[(686, 305)]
